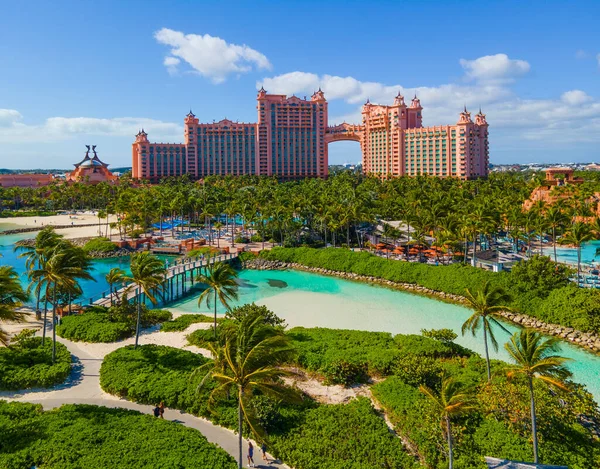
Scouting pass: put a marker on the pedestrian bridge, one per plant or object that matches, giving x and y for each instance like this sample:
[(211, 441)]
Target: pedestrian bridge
[(336, 133)]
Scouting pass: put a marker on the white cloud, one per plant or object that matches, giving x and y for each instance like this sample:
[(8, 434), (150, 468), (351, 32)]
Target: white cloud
[(575, 97), (64, 128), (581, 54), (9, 117), (497, 67), (171, 64), (208, 55)]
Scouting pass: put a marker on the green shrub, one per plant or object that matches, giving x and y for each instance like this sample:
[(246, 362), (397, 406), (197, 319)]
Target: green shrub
[(201, 337), (154, 373), (342, 436), (256, 238), (343, 355), (184, 321), (93, 327), (28, 364), (117, 323), (77, 436), (100, 245)]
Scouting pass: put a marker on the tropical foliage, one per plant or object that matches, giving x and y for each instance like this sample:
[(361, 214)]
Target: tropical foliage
[(76, 436), (101, 324), (26, 363), (184, 321)]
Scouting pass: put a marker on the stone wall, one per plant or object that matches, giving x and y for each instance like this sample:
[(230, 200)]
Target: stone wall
[(586, 340)]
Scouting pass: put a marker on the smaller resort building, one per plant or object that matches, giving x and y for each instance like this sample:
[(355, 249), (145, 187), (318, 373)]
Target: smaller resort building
[(91, 169), (25, 180)]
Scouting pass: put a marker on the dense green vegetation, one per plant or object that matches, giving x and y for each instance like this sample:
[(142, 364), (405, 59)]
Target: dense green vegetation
[(100, 246), (100, 324), (184, 321), (78, 436), (351, 436), (28, 364), (537, 287), (303, 437)]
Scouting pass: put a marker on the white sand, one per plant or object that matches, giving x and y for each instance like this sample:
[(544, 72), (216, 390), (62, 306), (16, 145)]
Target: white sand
[(336, 394), (83, 218)]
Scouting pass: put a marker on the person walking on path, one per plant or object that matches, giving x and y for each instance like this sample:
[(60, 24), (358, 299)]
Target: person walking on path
[(263, 448), (161, 409), (157, 411), (250, 454)]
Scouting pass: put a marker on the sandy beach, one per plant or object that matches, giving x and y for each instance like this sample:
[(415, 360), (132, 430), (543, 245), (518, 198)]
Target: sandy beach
[(77, 220)]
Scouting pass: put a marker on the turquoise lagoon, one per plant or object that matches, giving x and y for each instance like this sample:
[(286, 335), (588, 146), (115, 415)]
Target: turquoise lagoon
[(569, 255), (311, 300), (306, 299)]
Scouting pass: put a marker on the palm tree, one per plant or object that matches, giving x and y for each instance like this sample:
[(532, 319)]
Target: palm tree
[(148, 274), (535, 359), (452, 400), (59, 272), (555, 218), (114, 276), (34, 257), (578, 234), (487, 303), (249, 361), (221, 287), (11, 297)]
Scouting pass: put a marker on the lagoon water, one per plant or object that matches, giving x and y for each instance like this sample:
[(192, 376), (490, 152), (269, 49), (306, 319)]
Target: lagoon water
[(313, 300), (306, 299)]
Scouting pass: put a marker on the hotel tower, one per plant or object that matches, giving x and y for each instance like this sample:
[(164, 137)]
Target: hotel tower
[(291, 137)]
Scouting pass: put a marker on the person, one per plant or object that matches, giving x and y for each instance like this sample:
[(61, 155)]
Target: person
[(263, 448), (162, 409), (157, 411), (250, 454)]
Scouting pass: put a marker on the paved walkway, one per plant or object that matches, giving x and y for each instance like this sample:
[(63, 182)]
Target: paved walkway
[(83, 387)]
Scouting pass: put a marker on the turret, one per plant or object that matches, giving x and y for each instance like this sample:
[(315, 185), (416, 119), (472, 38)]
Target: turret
[(480, 118), (465, 117), (261, 93), (318, 96), (415, 103), (141, 137), (399, 100)]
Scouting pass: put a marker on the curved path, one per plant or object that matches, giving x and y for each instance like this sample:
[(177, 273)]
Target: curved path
[(83, 387)]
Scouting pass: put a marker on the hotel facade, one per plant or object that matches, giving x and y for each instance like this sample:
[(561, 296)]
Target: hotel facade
[(291, 138)]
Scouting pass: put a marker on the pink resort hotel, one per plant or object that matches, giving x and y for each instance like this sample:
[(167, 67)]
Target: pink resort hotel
[(290, 141)]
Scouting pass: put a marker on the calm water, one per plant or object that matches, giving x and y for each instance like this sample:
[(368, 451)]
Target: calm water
[(588, 253), (312, 300), (305, 299)]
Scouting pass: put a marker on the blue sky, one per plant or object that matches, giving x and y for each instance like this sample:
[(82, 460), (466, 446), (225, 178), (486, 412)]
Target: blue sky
[(94, 72)]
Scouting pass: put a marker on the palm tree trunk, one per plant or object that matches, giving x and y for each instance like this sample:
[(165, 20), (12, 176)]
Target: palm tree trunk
[(487, 355), (54, 324), (240, 430), (554, 241), (474, 251), (215, 324), (139, 316), (533, 423), (578, 265), (45, 318), (450, 452)]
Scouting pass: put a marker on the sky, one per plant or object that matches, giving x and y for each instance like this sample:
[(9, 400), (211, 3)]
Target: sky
[(83, 72)]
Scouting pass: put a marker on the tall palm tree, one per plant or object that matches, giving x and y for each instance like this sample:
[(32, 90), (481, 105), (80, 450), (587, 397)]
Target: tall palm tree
[(535, 358), (221, 287), (11, 297), (576, 235), (34, 257), (555, 219), (487, 303), (148, 274), (113, 277), (249, 361), (59, 272), (452, 400)]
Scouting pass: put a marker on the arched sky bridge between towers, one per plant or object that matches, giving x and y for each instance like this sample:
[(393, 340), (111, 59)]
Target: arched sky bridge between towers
[(337, 133)]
